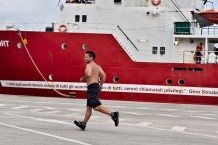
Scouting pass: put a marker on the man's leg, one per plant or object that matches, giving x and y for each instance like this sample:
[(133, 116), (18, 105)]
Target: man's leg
[(103, 110), (114, 115), (82, 124), (88, 114)]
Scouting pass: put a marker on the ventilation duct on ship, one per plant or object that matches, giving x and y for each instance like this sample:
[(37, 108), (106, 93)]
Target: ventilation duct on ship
[(49, 29)]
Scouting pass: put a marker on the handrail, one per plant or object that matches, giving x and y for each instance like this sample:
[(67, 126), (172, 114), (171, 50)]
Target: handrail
[(211, 58), (127, 38), (211, 30)]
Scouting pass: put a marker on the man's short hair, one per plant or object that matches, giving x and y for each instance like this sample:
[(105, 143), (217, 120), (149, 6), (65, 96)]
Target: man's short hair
[(91, 54)]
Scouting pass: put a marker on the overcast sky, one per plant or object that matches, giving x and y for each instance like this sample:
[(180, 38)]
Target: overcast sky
[(34, 11), (28, 11)]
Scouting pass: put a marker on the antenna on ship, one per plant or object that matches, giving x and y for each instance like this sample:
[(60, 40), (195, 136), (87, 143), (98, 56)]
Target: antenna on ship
[(59, 3)]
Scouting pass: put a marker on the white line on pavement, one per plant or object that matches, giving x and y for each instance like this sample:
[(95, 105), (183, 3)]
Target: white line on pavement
[(202, 117), (143, 108), (169, 109), (144, 124), (50, 108), (74, 110), (36, 110), (183, 132), (118, 106), (72, 115), (41, 119), (46, 134), (167, 115), (208, 114), (178, 128), (20, 107), (135, 113), (52, 112)]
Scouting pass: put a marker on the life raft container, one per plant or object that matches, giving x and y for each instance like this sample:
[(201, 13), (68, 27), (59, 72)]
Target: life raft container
[(62, 28), (156, 2)]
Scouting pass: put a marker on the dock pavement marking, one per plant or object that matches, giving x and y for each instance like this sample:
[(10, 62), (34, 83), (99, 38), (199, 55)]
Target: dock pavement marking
[(50, 108), (133, 113), (144, 124), (77, 110), (128, 124), (170, 130), (202, 117), (20, 107), (45, 134), (143, 108), (178, 128), (36, 110), (41, 119), (167, 115), (53, 112)]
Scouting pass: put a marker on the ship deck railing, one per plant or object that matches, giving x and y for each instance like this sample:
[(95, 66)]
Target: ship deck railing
[(211, 30), (208, 57)]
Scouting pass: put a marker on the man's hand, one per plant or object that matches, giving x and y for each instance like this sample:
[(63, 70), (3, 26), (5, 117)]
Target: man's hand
[(81, 79)]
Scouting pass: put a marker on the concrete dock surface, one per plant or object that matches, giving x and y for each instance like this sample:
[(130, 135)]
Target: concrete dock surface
[(32, 120)]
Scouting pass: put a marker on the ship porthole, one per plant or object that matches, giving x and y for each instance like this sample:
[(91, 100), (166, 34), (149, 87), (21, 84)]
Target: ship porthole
[(19, 45), (181, 82), (116, 79), (64, 46), (51, 77), (169, 81), (85, 46)]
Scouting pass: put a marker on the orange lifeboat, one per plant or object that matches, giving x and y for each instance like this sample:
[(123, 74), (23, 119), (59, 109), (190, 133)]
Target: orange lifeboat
[(210, 15)]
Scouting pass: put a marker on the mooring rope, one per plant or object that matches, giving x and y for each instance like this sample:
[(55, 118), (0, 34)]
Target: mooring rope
[(62, 94)]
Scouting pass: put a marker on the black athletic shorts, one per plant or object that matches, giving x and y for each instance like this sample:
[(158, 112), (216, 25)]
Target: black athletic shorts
[(93, 92)]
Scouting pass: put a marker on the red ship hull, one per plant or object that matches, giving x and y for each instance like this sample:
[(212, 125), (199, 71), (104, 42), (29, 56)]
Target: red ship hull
[(67, 65)]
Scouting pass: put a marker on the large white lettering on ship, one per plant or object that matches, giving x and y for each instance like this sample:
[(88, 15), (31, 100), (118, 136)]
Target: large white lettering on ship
[(4, 43)]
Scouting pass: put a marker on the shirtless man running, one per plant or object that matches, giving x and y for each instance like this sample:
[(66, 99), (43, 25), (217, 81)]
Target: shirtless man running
[(92, 73)]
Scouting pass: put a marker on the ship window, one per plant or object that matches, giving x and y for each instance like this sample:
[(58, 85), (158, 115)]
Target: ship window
[(84, 18), (116, 79), (169, 81), (64, 46), (85, 46), (77, 17), (117, 1), (51, 77), (154, 50), (181, 82), (162, 50), (19, 45)]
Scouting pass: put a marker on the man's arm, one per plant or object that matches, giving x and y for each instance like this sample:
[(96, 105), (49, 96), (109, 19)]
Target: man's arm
[(103, 76), (88, 73)]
